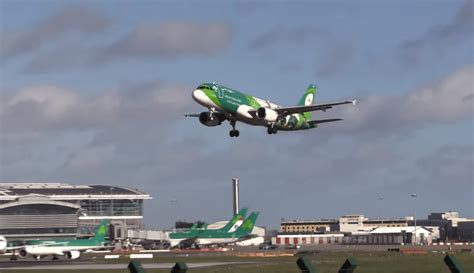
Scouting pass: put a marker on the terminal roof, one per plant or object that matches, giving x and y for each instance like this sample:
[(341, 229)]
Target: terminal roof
[(21, 189)]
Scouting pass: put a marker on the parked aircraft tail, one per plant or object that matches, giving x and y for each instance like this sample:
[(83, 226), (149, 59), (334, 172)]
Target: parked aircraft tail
[(236, 221), (101, 230), (248, 224)]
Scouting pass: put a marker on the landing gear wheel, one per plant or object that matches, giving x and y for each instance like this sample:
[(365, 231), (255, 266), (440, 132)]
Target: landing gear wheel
[(271, 130), (234, 133)]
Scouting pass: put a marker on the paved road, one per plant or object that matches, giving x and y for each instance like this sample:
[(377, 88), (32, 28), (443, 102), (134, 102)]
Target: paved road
[(81, 265)]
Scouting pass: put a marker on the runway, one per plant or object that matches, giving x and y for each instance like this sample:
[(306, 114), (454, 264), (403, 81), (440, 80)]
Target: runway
[(50, 265)]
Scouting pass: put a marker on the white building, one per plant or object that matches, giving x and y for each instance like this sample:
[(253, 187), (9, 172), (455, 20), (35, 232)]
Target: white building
[(308, 238), (420, 235), (352, 223)]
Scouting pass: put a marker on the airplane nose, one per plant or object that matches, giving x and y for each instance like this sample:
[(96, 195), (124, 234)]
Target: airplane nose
[(198, 95)]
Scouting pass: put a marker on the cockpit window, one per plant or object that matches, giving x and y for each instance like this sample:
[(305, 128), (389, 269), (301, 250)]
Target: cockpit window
[(203, 86)]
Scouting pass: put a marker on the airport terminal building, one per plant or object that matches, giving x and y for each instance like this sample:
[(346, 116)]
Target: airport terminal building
[(47, 210)]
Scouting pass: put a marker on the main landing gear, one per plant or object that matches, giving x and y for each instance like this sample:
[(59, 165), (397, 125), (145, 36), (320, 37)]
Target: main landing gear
[(271, 130), (233, 132)]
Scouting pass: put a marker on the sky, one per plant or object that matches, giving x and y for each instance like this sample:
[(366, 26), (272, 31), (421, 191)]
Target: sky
[(95, 92)]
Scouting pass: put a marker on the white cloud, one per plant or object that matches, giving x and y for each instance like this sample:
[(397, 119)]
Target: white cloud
[(447, 100), (169, 39), (440, 38), (76, 18), (36, 110)]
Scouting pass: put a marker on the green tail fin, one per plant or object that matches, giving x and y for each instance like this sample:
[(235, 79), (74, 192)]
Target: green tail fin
[(248, 224), (307, 99), (101, 230), (239, 216)]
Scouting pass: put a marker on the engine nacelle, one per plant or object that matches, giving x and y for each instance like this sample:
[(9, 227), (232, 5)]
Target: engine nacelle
[(267, 114), (23, 253), (209, 120), (73, 254)]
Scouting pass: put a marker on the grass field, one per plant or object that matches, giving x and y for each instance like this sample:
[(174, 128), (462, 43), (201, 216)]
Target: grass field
[(368, 262)]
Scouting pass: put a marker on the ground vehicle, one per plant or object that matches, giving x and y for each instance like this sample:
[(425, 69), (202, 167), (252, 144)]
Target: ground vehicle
[(267, 247), (292, 246)]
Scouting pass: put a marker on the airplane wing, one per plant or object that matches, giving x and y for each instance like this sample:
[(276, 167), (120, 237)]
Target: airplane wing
[(314, 122), (13, 248), (309, 108)]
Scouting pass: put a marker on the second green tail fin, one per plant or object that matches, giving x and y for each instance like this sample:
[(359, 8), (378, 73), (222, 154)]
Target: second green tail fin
[(248, 224)]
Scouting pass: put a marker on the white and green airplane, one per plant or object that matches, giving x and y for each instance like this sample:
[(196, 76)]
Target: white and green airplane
[(236, 229), (72, 249), (228, 104), (189, 236)]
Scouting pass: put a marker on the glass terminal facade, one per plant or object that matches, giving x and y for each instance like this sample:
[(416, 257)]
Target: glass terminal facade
[(29, 210), (112, 207)]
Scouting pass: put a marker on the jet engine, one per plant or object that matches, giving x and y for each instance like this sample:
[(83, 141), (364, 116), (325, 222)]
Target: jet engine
[(267, 114), (73, 254), (210, 120), (23, 253)]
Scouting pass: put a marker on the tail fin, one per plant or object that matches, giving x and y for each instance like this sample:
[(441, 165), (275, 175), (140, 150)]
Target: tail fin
[(101, 230), (307, 99), (248, 224), (236, 221)]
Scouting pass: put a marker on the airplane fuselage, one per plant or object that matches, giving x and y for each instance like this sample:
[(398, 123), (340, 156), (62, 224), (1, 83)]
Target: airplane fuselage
[(3, 245), (64, 247), (239, 107)]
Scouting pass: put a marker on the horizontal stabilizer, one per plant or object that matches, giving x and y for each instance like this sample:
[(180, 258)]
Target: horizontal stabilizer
[(314, 122), (191, 115)]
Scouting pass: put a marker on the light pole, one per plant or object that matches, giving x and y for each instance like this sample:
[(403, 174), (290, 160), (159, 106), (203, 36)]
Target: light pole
[(414, 195), (380, 203)]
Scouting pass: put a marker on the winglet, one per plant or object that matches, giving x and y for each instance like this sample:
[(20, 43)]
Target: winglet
[(354, 102)]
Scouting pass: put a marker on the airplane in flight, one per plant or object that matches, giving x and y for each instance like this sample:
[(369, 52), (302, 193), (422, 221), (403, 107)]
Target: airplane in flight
[(72, 249), (188, 237), (224, 104)]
